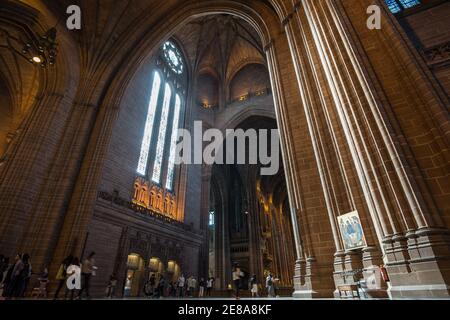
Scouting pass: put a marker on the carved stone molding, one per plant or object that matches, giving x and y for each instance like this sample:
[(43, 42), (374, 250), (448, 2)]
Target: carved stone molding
[(437, 55)]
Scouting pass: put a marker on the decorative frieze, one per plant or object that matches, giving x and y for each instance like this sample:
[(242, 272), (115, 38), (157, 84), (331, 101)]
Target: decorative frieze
[(154, 198), (145, 211), (437, 54)]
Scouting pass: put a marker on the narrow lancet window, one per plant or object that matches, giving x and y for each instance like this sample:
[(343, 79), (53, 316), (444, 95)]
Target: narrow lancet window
[(156, 177), (146, 141)]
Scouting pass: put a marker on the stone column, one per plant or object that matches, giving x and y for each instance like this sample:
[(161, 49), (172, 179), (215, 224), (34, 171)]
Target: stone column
[(313, 273), (31, 155), (327, 138), (397, 204)]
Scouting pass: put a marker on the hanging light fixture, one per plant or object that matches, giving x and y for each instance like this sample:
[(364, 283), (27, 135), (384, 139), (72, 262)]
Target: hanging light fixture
[(38, 50), (43, 50)]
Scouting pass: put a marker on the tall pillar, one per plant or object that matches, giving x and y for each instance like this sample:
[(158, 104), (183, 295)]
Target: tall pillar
[(313, 235), (378, 176)]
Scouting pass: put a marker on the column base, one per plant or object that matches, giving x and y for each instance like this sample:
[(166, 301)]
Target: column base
[(312, 281), (421, 291), (305, 294), (427, 272)]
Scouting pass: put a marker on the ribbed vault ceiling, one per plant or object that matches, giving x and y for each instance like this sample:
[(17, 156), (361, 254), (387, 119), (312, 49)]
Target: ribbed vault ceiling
[(220, 45)]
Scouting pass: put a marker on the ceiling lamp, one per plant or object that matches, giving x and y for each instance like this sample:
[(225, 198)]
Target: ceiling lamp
[(207, 105), (42, 50), (38, 50)]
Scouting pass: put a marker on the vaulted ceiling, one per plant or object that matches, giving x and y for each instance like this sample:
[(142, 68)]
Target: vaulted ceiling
[(220, 45), (112, 31), (19, 78)]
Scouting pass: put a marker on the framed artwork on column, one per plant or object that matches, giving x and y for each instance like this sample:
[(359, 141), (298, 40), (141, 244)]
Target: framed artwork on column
[(352, 231)]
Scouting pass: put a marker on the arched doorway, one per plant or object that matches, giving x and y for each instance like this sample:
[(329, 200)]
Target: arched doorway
[(173, 271), (134, 274), (156, 267)]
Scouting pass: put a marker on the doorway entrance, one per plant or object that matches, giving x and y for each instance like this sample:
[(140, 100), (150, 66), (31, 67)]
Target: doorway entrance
[(134, 274)]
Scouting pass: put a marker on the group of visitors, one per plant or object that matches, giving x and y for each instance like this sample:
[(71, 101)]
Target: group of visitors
[(15, 276), (158, 287), (238, 276), (75, 277), (182, 287)]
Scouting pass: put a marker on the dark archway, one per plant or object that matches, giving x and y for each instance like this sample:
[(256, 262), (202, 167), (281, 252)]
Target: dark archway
[(252, 225)]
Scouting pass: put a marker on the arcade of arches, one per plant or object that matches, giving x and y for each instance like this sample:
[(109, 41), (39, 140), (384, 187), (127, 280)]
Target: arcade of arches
[(87, 145)]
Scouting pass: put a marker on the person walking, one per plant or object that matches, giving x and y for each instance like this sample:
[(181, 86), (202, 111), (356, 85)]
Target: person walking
[(181, 282), (270, 286), (237, 275), (4, 266), (87, 271), (276, 282), (149, 288), (161, 287), (254, 286), (188, 287), (111, 288), (61, 275), (192, 284), (12, 276), (25, 276), (209, 286), (127, 288), (20, 277), (201, 286), (74, 274)]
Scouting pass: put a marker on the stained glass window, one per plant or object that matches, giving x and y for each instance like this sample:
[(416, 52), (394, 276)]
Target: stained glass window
[(409, 3), (145, 147), (173, 57), (398, 5), (173, 143), (162, 135), (393, 6), (164, 105)]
